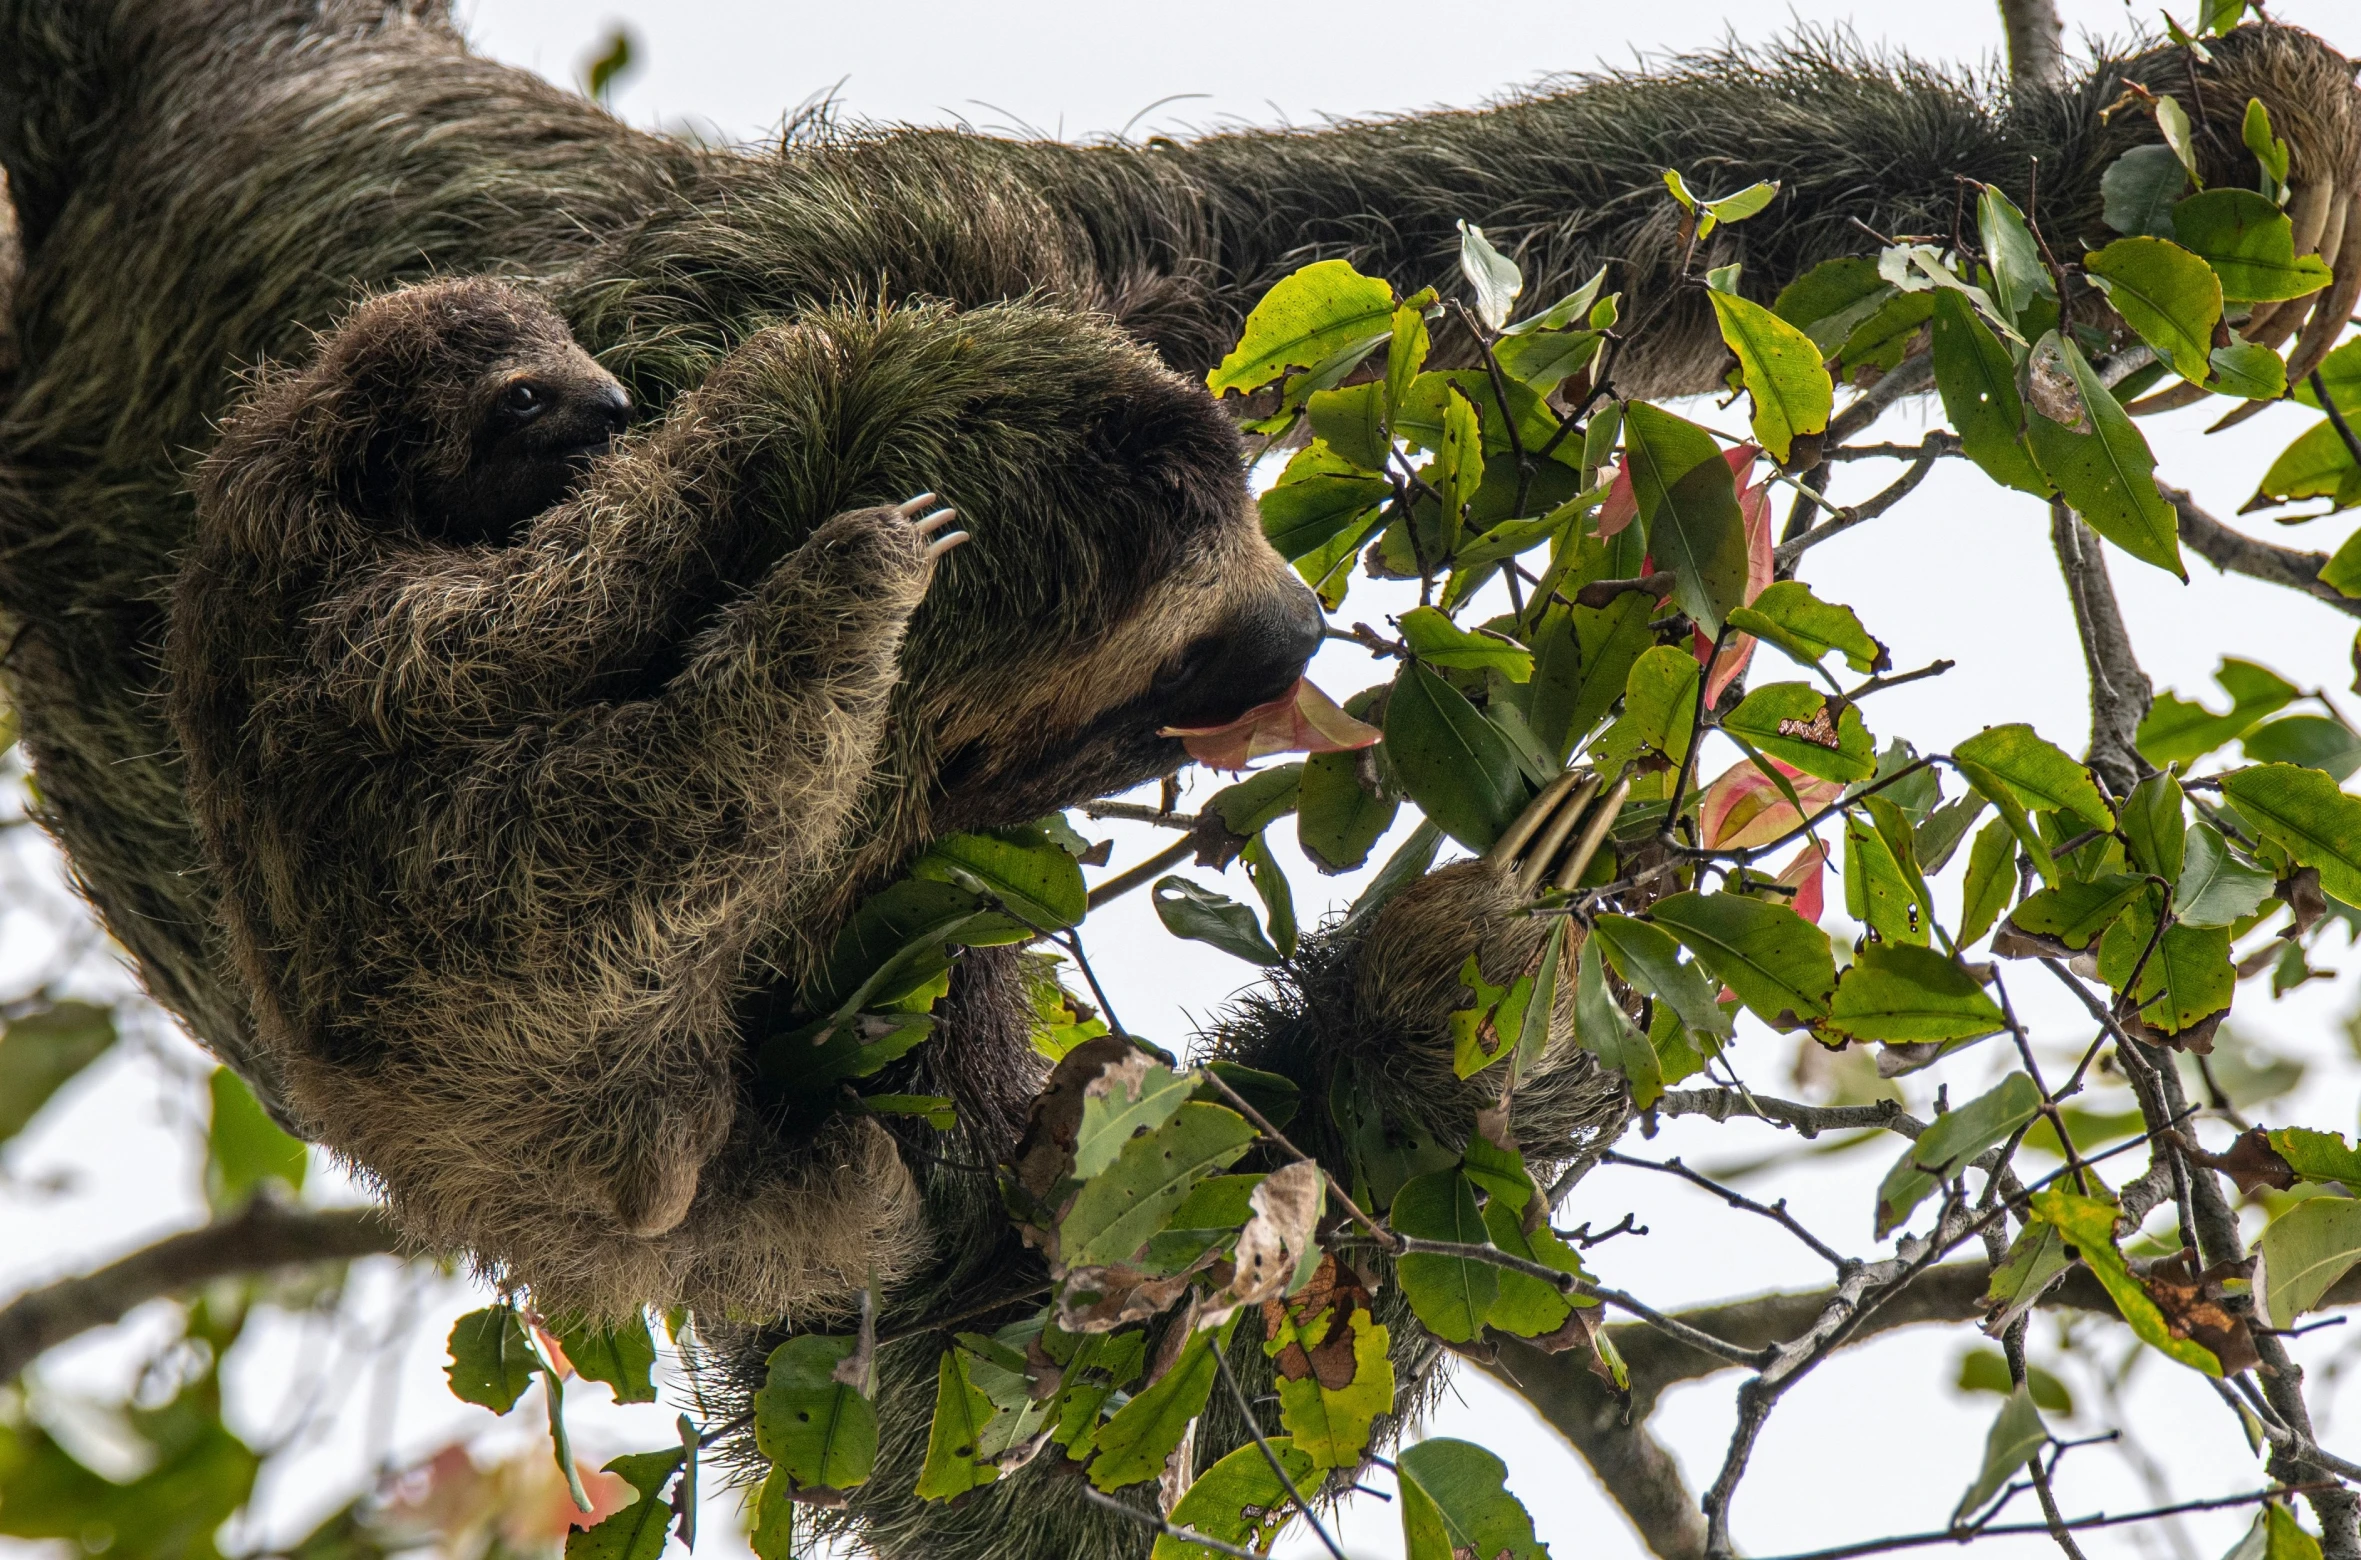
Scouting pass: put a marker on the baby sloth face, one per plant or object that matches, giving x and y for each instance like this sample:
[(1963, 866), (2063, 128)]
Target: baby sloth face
[(540, 415)]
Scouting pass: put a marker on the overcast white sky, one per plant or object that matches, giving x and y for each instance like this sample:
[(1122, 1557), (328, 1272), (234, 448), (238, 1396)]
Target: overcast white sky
[(1876, 1442)]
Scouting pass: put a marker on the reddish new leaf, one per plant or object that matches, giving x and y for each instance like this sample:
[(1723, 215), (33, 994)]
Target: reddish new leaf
[(1301, 720)]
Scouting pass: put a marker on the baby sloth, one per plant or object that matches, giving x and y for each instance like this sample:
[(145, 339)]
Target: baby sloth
[(501, 783)]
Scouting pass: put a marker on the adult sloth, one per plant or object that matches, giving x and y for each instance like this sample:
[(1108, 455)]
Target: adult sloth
[(200, 184)]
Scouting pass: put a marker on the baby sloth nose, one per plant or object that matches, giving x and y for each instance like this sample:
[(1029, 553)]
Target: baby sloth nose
[(1251, 660), (612, 406)]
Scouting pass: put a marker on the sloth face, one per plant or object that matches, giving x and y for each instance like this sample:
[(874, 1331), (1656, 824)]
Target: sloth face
[(542, 415)]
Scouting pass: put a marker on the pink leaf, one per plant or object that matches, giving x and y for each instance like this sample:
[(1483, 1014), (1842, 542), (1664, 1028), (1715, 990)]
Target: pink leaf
[(1301, 720), (1623, 504), (1806, 875), (1742, 809)]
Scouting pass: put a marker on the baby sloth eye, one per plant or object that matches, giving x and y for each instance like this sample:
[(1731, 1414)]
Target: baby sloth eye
[(521, 399)]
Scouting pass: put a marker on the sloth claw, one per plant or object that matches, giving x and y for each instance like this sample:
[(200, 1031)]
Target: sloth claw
[(911, 506), (936, 521), (943, 544), (1548, 823)]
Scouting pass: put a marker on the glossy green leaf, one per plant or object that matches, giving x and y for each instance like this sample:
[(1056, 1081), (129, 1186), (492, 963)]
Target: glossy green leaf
[(822, 1431), (2003, 797), (1299, 517), (2140, 188), (1950, 1142), (2075, 912), (1118, 1209), (2250, 243), (621, 1354), (640, 1530), (1258, 801), (1791, 721), (894, 943), (1788, 615), (1582, 660), (1270, 885), (43, 1050), (1877, 891), (2215, 888), (2155, 826), (1778, 963), (2040, 774), (1456, 1505), (1304, 321), (1239, 1500), (1607, 1032), (1201, 915), (1991, 881), (1022, 868), (2186, 980), (1451, 1295), (2016, 1435), (2304, 813), (1688, 506), (2088, 1225), (2305, 1251), (243, 1147), (1456, 765), (1831, 299), (491, 1361), (955, 1438), (1542, 362), (2317, 1156), (2248, 370), (2018, 276), (1648, 957), (1352, 422), (1438, 641), (1977, 380), (2106, 471), (1336, 821), (2168, 295), (1899, 993), (1790, 391)]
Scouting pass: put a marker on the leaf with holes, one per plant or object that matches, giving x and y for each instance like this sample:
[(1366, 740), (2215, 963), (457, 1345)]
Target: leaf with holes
[(1456, 1505), (491, 1361), (1239, 1500), (955, 1438), (1793, 721), (1305, 322), (823, 1432), (1119, 1208), (2088, 1225), (621, 1354)]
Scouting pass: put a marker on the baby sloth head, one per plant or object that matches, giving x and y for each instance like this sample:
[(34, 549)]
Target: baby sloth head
[(459, 410)]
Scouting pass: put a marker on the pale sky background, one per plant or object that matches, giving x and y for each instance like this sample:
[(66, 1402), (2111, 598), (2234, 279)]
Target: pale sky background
[(1877, 1441)]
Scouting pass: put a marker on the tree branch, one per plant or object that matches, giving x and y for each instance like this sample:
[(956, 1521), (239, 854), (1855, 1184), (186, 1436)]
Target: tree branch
[(2036, 42), (2234, 552), (2119, 691), (265, 1235)]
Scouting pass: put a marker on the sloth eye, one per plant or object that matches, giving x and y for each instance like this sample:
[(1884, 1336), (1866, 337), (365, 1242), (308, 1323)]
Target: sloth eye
[(520, 400)]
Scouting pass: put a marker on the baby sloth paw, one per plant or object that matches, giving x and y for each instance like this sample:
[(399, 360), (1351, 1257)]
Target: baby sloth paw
[(930, 526)]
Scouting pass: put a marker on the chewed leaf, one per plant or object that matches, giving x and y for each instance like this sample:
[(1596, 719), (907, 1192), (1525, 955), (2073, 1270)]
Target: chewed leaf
[(1301, 720)]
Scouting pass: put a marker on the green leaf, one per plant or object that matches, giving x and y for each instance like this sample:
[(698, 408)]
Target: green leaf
[(1456, 1505), (1526, 1306), (1352, 421), (1832, 298), (2041, 775), (1541, 363), (1991, 881), (1451, 1295), (1201, 915), (1788, 615), (1406, 348), (2177, 730), (2170, 296), (2016, 1436), (2075, 912), (1118, 1209), (2018, 276), (1023, 868), (1688, 506), (1582, 659), (893, 945), (2304, 813), (1456, 765), (243, 1146), (2250, 243), (2248, 370), (1986, 1370), (491, 1361), (1337, 822), (1300, 517), (2105, 472), (1877, 891), (640, 1530), (621, 1354), (2187, 980), (2318, 464), (2340, 371), (1791, 392), (1659, 706), (1978, 382), (823, 1432), (1457, 471), (1270, 884), (1258, 801), (2003, 797), (1778, 963), (1239, 1500), (1791, 720), (1744, 204), (2139, 188), (1438, 641), (2270, 151), (1908, 995), (955, 1438), (1950, 1142), (1134, 1095), (44, 1050), (1133, 1444), (2088, 1225), (1331, 1426), (2317, 1156), (2215, 888), (2314, 741), (2305, 1251), (2155, 827), (1607, 1032), (1304, 321), (1647, 957)]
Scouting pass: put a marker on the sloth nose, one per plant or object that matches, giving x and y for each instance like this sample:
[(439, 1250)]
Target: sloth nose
[(613, 407), (1251, 660)]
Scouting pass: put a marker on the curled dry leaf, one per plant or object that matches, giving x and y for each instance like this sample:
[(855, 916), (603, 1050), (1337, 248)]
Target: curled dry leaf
[(1101, 1299), (2251, 1161), (1271, 1247), (1301, 720), (2193, 1305), (1045, 1154), (1742, 808)]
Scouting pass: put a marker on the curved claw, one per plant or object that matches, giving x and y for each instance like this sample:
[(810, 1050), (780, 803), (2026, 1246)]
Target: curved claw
[(1530, 846), (910, 506), (1594, 836), (936, 521), (943, 544)]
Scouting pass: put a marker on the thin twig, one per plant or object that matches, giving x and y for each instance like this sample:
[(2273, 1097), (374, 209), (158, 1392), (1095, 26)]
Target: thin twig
[(2336, 417), (1123, 883), (1164, 1527), (1221, 1361), (1138, 812), (1839, 521), (2079, 1524), (1775, 1212)]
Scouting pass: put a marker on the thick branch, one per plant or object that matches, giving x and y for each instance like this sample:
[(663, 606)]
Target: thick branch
[(2119, 691), (2234, 552), (2036, 42), (266, 1235)]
